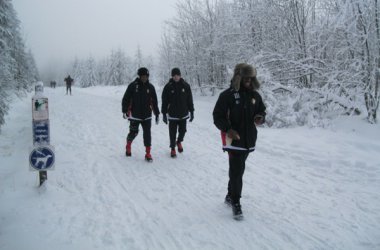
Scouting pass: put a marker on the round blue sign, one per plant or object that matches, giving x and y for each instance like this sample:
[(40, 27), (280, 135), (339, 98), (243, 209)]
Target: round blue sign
[(41, 158)]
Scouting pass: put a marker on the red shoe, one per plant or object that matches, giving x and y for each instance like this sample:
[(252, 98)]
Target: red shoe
[(179, 146), (148, 156), (128, 149), (173, 154)]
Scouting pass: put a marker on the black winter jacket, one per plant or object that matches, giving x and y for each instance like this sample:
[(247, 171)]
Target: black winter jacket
[(139, 100), (236, 110), (177, 100)]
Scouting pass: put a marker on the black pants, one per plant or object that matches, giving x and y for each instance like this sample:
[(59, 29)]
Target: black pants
[(68, 88), (175, 125), (134, 130), (237, 166)]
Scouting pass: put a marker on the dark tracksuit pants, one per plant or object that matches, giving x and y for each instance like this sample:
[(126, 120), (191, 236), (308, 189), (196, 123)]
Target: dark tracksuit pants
[(236, 170), (175, 125), (68, 88), (134, 130)]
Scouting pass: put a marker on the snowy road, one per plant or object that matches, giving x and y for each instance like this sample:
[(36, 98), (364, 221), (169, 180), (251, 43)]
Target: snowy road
[(303, 188)]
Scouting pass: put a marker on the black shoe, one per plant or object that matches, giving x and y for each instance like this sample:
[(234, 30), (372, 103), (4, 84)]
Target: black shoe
[(228, 200), (236, 211)]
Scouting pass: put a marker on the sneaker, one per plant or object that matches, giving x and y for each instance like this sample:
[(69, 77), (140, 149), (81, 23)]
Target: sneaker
[(173, 154), (179, 146), (228, 200), (236, 211)]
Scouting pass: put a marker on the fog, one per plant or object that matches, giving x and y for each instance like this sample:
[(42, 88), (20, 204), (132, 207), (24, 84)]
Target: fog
[(57, 31)]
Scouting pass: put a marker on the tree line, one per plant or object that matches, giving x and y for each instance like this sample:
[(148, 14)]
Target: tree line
[(315, 58), (18, 69), (115, 69)]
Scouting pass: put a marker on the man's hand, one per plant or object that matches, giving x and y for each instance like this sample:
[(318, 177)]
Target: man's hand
[(157, 119), (165, 118), (125, 116), (191, 116), (259, 119), (233, 134)]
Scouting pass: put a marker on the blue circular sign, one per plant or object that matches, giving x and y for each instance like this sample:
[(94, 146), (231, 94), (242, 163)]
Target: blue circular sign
[(41, 158)]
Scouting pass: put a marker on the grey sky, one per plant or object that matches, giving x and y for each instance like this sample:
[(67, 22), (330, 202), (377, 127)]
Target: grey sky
[(59, 30)]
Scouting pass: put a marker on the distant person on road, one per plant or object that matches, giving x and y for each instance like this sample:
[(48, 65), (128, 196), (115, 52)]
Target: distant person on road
[(69, 81), (177, 107), (237, 112), (52, 84), (139, 100)]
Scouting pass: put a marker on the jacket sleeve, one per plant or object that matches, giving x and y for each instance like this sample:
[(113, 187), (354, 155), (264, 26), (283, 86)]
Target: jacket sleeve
[(156, 110), (165, 100), (220, 113), (190, 103), (261, 107), (126, 99)]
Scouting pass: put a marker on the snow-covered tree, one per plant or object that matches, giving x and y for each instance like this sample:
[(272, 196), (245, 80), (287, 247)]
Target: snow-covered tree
[(118, 68), (89, 76), (18, 70), (319, 58)]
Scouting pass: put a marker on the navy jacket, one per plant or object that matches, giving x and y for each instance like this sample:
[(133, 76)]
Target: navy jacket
[(236, 110), (139, 100), (177, 100)]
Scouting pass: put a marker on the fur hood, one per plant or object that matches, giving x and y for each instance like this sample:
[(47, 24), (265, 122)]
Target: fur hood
[(244, 70)]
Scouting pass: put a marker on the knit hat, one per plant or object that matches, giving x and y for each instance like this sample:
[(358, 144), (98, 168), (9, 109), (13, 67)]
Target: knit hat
[(176, 71), (241, 71), (143, 72)]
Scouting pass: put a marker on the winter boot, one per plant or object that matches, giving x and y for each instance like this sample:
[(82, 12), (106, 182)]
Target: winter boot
[(228, 200), (173, 154), (148, 156), (236, 211), (128, 149), (179, 146)]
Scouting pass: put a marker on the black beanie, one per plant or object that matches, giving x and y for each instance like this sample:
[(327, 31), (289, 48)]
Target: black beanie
[(143, 72), (176, 71)]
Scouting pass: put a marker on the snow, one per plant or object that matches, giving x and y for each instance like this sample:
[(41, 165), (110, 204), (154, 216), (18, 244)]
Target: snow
[(303, 188)]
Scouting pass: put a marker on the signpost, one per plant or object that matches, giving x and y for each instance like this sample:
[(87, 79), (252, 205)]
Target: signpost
[(41, 157)]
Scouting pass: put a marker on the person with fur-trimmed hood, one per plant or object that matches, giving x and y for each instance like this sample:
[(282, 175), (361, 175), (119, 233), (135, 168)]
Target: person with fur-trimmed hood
[(237, 112), (177, 107), (139, 100)]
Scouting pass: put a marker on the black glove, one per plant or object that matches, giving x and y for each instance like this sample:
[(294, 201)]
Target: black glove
[(157, 119), (165, 118), (125, 115), (191, 116)]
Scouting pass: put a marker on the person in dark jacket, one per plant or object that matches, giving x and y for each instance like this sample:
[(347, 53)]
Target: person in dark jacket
[(69, 81), (237, 112), (177, 107), (139, 100)]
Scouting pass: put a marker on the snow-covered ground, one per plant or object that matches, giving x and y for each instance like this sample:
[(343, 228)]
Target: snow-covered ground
[(303, 188)]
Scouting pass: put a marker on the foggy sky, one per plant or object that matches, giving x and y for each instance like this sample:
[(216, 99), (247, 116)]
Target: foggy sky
[(59, 30)]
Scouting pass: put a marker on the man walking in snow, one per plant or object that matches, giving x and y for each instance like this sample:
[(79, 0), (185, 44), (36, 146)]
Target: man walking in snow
[(177, 107), (237, 112), (69, 82), (138, 102)]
